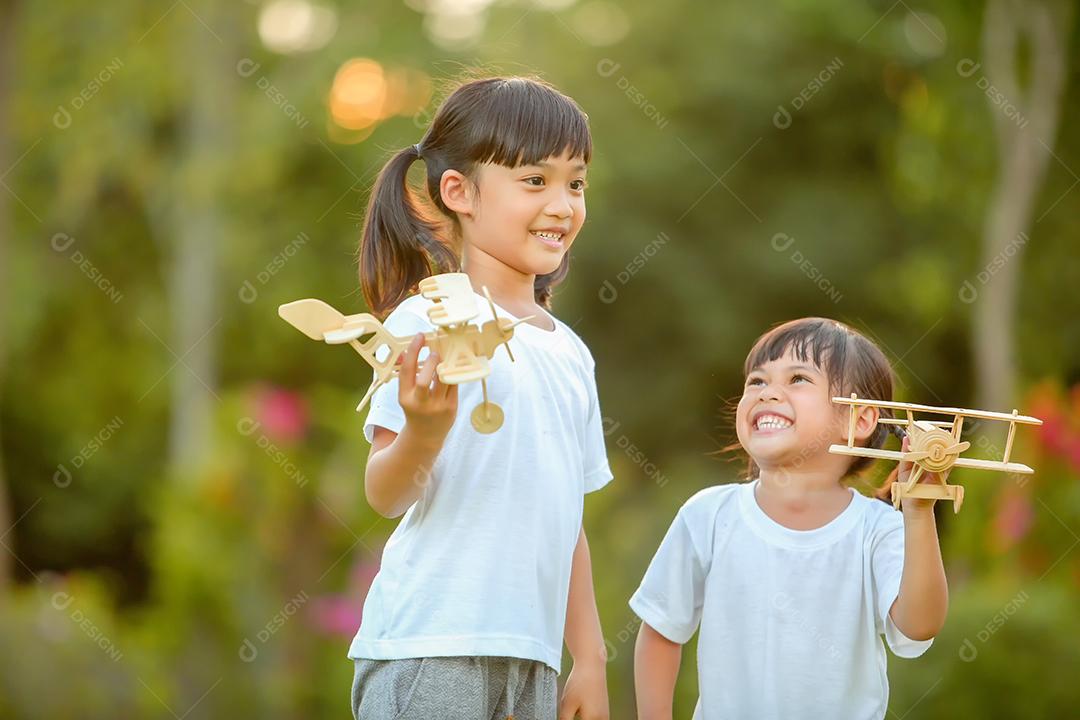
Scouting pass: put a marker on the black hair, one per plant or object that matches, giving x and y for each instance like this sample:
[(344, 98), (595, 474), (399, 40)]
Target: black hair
[(509, 121)]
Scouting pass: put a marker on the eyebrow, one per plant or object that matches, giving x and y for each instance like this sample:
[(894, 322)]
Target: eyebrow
[(545, 164), (790, 367)]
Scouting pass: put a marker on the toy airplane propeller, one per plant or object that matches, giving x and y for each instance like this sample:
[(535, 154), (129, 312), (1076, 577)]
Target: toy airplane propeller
[(464, 348), (934, 446)]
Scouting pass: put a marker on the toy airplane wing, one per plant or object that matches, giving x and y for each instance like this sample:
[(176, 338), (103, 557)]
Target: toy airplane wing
[(455, 300), (1013, 417), (312, 317), (320, 321)]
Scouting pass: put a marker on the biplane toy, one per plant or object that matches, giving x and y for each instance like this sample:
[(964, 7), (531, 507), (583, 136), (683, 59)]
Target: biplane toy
[(934, 446), (464, 348)]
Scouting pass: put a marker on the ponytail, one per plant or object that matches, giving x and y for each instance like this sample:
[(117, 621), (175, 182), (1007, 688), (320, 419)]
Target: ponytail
[(402, 242)]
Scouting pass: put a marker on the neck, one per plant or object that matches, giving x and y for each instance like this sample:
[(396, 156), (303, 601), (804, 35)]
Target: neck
[(510, 288), (801, 499), (801, 488)]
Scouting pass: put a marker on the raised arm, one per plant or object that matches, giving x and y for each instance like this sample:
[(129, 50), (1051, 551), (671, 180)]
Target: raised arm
[(920, 607), (399, 463)]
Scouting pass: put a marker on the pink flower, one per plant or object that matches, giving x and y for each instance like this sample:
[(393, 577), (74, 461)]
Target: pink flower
[(341, 614), (282, 414), (336, 615), (1013, 518)]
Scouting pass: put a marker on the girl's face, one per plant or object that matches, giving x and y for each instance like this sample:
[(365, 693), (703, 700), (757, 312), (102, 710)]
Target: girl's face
[(527, 217), (786, 416)]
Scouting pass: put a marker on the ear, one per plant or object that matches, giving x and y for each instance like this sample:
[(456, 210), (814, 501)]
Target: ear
[(457, 192), (865, 424)]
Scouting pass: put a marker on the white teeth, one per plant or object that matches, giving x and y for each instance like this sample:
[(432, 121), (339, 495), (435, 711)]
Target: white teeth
[(547, 235), (772, 422)]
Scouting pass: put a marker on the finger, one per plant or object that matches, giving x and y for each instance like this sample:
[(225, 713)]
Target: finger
[(423, 380), (438, 387), (905, 465), (451, 395), (442, 390), (407, 374)]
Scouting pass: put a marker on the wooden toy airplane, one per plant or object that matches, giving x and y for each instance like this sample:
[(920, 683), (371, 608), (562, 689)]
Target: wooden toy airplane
[(464, 349), (934, 446)]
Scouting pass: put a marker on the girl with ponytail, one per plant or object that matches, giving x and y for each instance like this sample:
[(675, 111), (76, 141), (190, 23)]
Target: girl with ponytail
[(488, 571)]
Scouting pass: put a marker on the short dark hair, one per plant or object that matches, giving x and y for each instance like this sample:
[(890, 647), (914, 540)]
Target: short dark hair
[(851, 362)]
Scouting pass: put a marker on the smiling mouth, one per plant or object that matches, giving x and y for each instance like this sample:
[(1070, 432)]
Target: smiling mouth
[(549, 238), (769, 423)]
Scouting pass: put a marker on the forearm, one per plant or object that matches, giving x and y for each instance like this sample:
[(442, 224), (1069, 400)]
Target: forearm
[(656, 668), (920, 608), (584, 638), (397, 474)]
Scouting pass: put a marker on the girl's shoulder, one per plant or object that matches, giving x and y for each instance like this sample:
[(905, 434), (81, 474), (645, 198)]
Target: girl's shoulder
[(575, 339), (704, 505), (879, 518)]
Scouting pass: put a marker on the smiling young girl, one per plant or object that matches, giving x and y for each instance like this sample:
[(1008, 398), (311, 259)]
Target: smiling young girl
[(792, 578), (489, 568)]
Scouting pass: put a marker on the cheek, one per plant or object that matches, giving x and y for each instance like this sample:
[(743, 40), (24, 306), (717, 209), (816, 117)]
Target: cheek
[(815, 406), (579, 211), (525, 209), (742, 411), (498, 204)]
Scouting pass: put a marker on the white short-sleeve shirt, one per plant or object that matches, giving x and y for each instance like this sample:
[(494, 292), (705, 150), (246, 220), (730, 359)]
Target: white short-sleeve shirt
[(790, 621), (480, 564)]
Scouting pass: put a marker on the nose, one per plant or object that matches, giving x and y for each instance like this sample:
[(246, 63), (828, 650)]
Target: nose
[(769, 393), (560, 206)]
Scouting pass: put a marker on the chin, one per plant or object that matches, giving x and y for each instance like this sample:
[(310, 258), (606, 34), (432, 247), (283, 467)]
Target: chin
[(771, 452), (545, 266)]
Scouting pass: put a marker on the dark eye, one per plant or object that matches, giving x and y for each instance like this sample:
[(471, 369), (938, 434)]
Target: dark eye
[(798, 376), (578, 185), (754, 381), (539, 181)]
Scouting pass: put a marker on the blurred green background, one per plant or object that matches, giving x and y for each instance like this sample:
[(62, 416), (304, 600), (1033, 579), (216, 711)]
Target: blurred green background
[(184, 528)]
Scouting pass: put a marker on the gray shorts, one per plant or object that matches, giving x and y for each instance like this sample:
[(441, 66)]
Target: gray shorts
[(454, 688)]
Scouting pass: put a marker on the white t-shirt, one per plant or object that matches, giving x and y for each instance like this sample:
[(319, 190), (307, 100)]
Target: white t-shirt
[(790, 620), (480, 564)]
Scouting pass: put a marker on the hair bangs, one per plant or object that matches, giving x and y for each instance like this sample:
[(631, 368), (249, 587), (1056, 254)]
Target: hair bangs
[(526, 122), (815, 340)]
